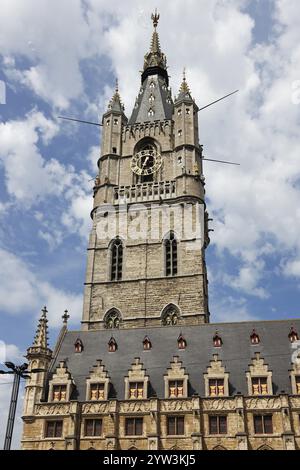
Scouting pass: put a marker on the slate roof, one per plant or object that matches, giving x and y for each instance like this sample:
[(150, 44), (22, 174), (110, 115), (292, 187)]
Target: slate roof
[(161, 107), (236, 354)]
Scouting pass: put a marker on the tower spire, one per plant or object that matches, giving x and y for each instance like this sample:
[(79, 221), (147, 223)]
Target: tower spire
[(155, 60), (184, 90), (41, 336), (115, 103)]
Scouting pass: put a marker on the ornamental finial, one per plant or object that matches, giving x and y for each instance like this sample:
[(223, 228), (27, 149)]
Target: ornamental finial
[(155, 17), (65, 317)]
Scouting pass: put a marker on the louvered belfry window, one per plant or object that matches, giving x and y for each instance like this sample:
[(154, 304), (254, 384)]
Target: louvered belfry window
[(171, 255), (116, 260)]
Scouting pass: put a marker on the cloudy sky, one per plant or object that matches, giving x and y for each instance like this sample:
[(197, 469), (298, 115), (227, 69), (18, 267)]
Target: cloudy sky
[(62, 57)]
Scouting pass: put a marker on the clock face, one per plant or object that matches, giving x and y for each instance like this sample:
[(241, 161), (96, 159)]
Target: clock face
[(146, 162)]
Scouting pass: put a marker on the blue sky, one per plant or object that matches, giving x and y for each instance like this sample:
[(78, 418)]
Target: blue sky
[(46, 164)]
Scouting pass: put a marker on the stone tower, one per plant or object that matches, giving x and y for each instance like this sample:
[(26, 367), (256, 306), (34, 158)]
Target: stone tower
[(146, 255)]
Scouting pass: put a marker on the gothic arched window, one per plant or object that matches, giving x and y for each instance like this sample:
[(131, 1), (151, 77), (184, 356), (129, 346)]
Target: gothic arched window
[(112, 319), (171, 255), (116, 260), (170, 316)]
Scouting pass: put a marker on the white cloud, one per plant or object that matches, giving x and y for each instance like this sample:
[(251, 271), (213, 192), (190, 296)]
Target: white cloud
[(247, 280), (292, 268), (30, 293), (53, 39), (31, 178), (230, 309), (28, 176), (93, 157)]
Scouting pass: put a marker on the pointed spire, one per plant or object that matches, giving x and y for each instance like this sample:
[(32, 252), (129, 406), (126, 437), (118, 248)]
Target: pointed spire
[(41, 336), (115, 103), (184, 90), (155, 58)]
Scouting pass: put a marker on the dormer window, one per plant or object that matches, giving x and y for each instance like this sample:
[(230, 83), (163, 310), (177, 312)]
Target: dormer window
[(259, 386), (175, 388), (151, 98), (152, 85), (97, 384), (78, 346), (59, 393), (97, 391), (216, 379), (217, 340), (216, 387), (136, 390), (259, 377), (150, 112), (254, 338), (293, 335), (147, 344), (181, 342), (112, 345)]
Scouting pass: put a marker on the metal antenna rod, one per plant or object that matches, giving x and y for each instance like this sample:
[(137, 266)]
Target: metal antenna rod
[(221, 161), (220, 99), (79, 120)]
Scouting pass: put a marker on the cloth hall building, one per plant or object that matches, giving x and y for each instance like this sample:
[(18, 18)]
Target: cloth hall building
[(147, 369)]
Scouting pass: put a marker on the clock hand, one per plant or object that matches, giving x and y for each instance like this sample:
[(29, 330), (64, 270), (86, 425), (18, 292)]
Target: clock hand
[(145, 162)]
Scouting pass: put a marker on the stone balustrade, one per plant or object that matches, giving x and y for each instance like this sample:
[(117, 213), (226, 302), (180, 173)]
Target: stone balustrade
[(144, 192)]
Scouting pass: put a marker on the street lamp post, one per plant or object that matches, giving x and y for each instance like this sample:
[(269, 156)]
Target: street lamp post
[(18, 372)]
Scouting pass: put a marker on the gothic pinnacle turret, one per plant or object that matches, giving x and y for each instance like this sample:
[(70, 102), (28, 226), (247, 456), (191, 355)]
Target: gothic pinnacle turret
[(184, 90), (115, 103), (41, 336)]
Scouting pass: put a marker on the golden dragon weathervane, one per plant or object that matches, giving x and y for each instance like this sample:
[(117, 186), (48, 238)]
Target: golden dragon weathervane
[(155, 17)]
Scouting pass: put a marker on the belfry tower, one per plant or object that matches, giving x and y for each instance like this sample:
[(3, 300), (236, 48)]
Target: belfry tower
[(147, 370), (150, 175)]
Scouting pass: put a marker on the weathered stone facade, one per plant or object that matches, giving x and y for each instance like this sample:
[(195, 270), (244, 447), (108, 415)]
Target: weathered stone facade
[(239, 412), (147, 370)]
